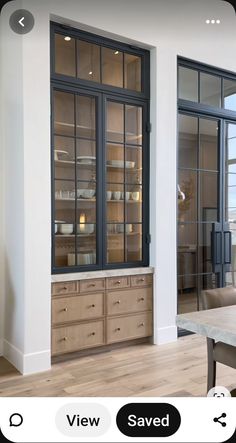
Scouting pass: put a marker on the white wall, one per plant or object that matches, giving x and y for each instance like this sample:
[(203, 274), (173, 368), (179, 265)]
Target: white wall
[(168, 28)]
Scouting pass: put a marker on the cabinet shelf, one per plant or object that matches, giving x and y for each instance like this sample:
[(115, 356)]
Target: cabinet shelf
[(123, 201), (131, 135), (85, 200)]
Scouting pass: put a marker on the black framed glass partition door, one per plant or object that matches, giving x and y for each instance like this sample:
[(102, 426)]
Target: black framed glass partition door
[(206, 207)]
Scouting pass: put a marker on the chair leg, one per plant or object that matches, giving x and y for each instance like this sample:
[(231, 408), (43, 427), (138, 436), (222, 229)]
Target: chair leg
[(211, 373)]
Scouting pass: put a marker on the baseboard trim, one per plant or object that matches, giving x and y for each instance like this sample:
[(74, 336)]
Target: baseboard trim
[(1, 347), (165, 335), (27, 363)]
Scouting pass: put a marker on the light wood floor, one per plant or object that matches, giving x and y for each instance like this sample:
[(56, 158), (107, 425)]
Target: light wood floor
[(176, 369)]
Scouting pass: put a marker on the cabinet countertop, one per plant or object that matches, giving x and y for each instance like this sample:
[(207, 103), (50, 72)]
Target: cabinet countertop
[(56, 278)]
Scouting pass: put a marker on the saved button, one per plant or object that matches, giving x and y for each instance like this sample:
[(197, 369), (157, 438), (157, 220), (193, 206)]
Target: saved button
[(148, 420)]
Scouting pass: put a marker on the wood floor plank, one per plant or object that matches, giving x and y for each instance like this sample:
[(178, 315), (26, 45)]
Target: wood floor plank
[(175, 369)]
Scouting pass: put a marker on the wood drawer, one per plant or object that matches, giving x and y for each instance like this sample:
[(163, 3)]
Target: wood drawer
[(141, 280), (118, 282), (127, 328), (129, 300), (92, 285), (79, 307), (68, 287), (76, 337)]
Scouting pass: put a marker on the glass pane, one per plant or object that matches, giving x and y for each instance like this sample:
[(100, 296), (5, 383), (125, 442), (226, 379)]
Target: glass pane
[(208, 130), (187, 252), (64, 158), (133, 125), (65, 55), (187, 294), (208, 281), (209, 195), (205, 263), (115, 244), (230, 148), (188, 84), (115, 122), (133, 205), (88, 61), (230, 94), (112, 67), (133, 242), (187, 204), (64, 250), (86, 160), (64, 113), (132, 72), (188, 141), (86, 214), (85, 117), (133, 165), (115, 163), (210, 90), (115, 203)]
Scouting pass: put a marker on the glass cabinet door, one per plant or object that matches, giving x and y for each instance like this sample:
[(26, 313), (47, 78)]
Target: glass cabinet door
[(124, 177), (75, 180)]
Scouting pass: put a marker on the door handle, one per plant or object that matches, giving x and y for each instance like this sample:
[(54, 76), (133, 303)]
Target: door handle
[(216, 248), (227, 247)]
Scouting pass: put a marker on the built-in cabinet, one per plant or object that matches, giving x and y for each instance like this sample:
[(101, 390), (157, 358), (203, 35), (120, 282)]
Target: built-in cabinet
[(100, 311), (100, 155)]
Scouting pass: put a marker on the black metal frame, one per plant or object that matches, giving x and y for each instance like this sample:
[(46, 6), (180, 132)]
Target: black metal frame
[(102, 93), (224, 116)]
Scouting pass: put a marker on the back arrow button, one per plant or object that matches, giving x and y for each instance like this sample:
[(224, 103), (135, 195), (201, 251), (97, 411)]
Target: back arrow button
[(21, 21)]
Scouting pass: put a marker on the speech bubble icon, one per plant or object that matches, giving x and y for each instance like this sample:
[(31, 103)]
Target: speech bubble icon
[(16, 420)]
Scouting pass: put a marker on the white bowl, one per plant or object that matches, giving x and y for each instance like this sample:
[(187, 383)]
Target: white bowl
[(85, 229), (66, 229), (85, 258), (88, 193)]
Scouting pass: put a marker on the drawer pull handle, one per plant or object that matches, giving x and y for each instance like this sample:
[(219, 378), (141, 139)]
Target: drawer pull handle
[(118, 282), (93, 333), (92, 306), (92, 285), (63, 289), (141, 279), (65, 338), (117, 302), (141, 299), (142, 324), (65, 309), (117, 329)]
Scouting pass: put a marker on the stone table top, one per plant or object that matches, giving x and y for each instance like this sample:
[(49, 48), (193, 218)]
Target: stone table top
[(219, 323)]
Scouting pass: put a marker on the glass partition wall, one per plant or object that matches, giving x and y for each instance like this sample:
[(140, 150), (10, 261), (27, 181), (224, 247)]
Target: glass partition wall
[(206, 184), (100, 153)]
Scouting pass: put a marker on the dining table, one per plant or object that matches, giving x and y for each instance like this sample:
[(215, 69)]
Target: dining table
[(218, 324)]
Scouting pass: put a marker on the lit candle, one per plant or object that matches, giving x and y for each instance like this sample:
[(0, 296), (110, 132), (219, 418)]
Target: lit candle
[(82, 223)]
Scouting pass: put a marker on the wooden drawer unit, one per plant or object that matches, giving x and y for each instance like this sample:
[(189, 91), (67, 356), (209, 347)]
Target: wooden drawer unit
[(77, 337), (92, 285), (63, 288), (141, 280), (77, 308), (130, 327), (118, 282), (129, 301)]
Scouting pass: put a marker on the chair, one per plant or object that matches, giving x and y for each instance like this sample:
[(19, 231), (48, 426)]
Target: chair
[(218, 351)]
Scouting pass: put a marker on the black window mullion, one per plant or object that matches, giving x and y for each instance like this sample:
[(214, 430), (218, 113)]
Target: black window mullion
[(76, 178)]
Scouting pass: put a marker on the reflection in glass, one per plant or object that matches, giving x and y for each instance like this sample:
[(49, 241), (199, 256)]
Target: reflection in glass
[(132, 72), (209, 194), (210, 90), (64, 113), (230, 147), (133, 124), (85, 117), (188, 141), (88, 61), (230, 94), (205, 259), (187, 209), (187, 293), (188, 84), (115, 122), (64, 251), (133, 199), (112, 67), (65, 55), (133, 242), (208, 130), (115, 243)]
